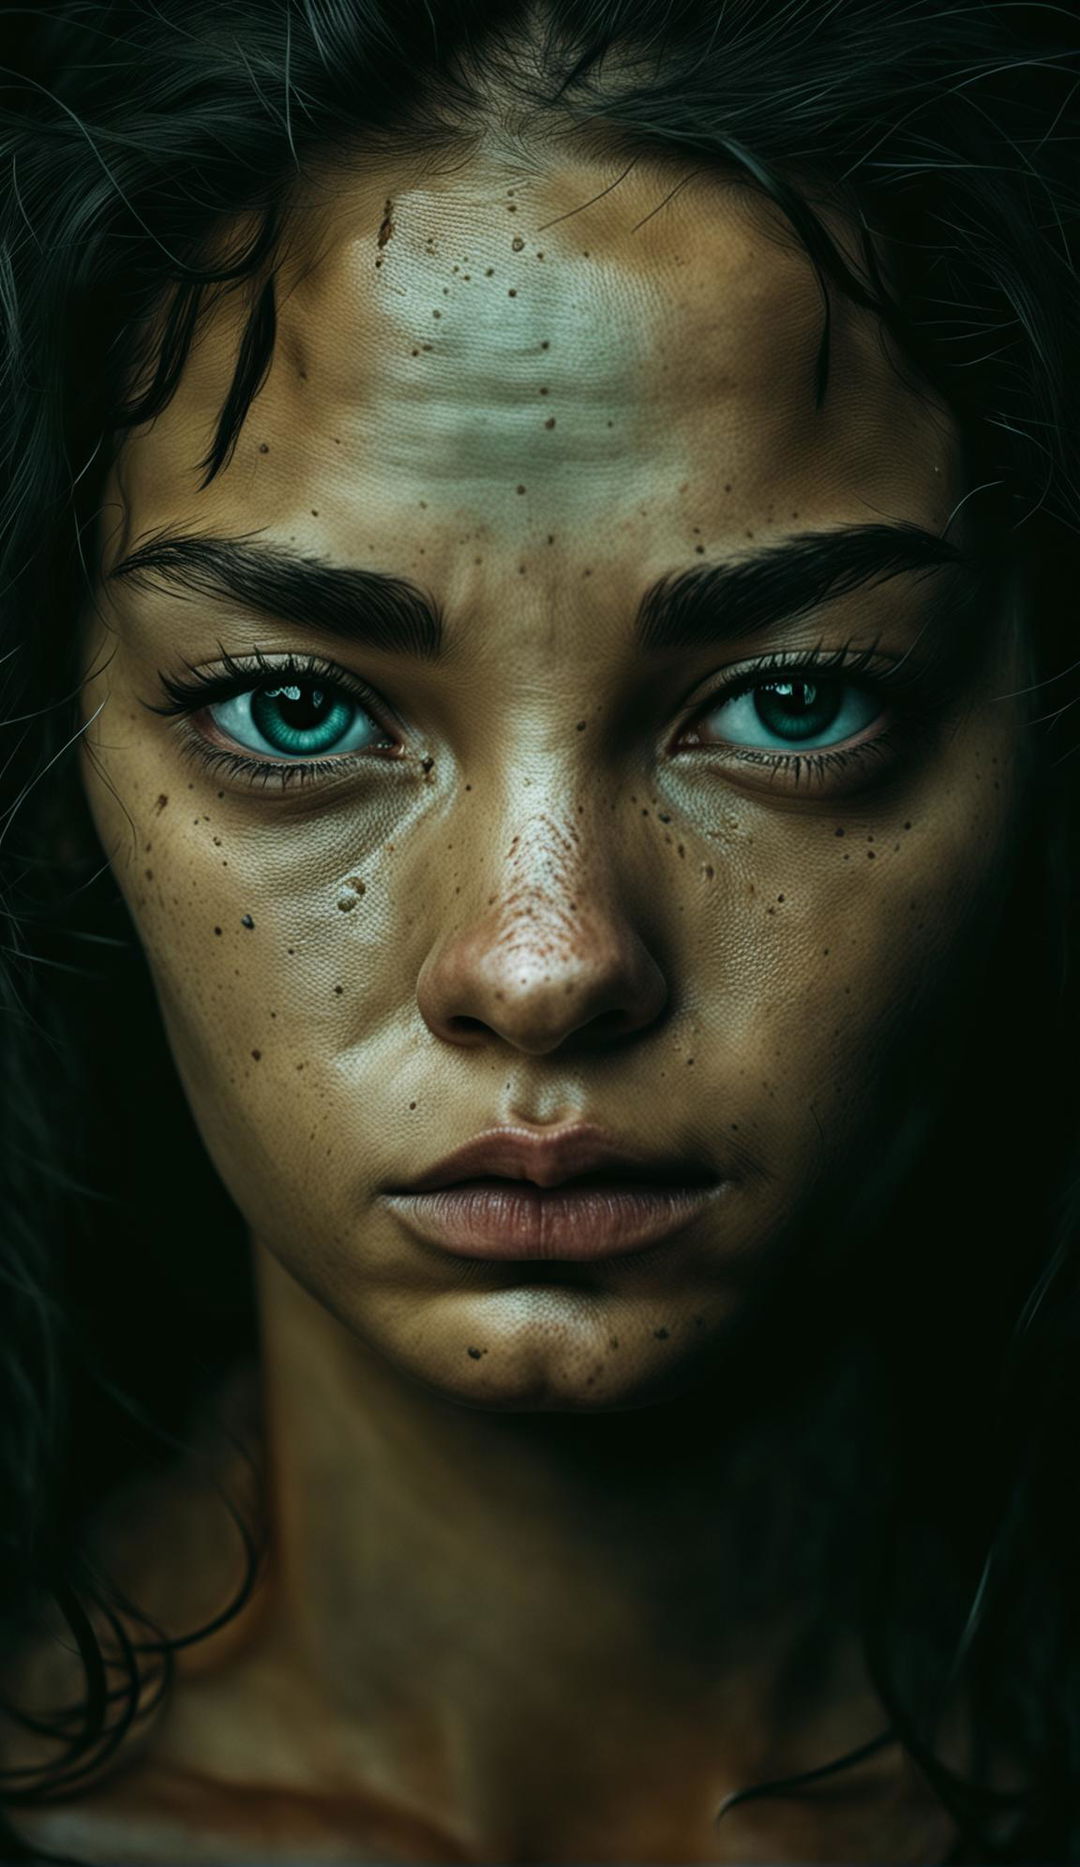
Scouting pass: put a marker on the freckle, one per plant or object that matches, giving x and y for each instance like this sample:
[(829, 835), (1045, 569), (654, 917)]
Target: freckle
[(314, 512), (779, 897), (661, 1334), (436, 314), (700, 549), (246, 920), (550, 422), (580, 726), (907, 826), (588, 572), (551, 538), (727, 487), (689, 1061), (149, 875), (217, 930), (709, 870), (290, 949), (412, 1105), (263, 447), (521, 489), (870, 855), (217, 842), (257, 1054), (839, 832), (425, 346), (161, 803), (414, 353), (489, 272)]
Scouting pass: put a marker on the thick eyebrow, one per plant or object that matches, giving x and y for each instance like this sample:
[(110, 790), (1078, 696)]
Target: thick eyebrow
[(717, 603), (698, 608), (367, 608)]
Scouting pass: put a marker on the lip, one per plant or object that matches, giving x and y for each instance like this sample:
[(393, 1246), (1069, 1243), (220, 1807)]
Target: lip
[(512, 1219), (505, 1194), (549, 1159)]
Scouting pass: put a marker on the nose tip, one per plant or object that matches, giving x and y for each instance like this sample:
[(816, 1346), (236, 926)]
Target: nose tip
[(536, 973)]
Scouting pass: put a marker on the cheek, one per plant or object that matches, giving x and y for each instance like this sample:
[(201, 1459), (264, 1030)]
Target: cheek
[(262, 965), (857, 939)]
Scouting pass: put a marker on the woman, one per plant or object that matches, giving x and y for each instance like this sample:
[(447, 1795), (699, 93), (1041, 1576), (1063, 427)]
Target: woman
[(539, 547)]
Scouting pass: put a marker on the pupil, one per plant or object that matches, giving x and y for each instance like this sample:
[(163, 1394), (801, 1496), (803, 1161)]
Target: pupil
[(796, 708), (300, 716), (301, 708)]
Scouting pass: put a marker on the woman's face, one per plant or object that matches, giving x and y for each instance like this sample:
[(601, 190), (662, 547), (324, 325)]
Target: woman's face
[(573, 866)]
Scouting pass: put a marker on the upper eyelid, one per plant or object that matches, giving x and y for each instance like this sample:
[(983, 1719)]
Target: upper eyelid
[(205, 687), (844, 662)]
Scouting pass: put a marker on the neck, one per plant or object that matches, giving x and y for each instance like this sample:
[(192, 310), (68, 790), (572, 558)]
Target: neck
[(502, 1611)]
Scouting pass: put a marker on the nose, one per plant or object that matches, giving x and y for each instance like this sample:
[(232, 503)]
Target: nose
[(548, 955)]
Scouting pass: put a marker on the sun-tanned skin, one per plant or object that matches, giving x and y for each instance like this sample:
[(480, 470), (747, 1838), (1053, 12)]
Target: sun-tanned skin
[(504, 1597)]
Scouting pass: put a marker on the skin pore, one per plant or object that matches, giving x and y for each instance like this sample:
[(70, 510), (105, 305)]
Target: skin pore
[(512, 1596)]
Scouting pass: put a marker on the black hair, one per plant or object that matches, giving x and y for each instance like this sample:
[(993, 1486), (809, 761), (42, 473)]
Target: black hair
[(149, 155)]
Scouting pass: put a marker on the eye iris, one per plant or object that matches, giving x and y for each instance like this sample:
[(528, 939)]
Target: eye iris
[(300, 716), (796, 708)]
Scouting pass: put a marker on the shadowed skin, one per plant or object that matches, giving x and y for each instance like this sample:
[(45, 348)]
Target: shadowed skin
[(509, 1592)]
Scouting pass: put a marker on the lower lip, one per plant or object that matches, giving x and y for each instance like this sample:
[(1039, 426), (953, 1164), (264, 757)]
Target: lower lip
[(488, 1219)]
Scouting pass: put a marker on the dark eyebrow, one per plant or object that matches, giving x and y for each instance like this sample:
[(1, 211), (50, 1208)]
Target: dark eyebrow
[(696, 608), (368, 608), (712, 603)]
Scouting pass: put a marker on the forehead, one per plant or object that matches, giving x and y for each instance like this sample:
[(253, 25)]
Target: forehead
[(546, 350)]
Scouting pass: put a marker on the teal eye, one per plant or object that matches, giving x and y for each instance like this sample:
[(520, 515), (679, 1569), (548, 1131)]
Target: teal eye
[(795, 711), (301, 718)]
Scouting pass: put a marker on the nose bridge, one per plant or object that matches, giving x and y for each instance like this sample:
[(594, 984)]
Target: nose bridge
[(545, 887), (545, 944)]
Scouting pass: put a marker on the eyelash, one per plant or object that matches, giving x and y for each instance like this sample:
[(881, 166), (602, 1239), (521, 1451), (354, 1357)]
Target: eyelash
[(237, 675)]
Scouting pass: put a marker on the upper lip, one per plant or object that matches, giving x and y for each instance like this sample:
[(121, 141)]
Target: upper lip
[(551, 1158)]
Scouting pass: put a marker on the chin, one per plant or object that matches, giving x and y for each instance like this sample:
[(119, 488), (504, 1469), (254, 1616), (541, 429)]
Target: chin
[(558, 1349)]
